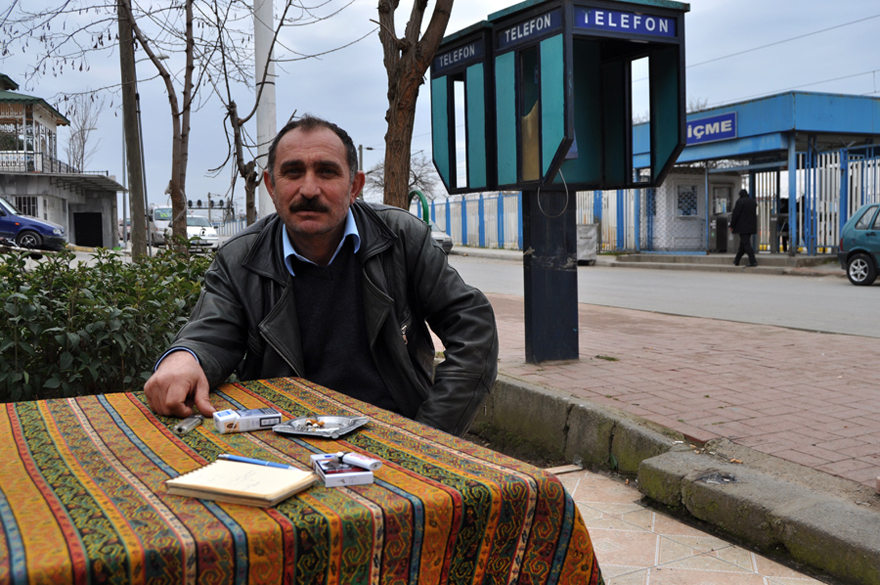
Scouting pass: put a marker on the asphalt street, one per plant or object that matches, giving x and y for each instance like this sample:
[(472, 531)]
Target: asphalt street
[(812, 303)]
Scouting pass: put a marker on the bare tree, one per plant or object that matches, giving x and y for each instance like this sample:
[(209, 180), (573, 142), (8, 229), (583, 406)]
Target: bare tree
[(696, 104), (241, 146), (83, 112), (406, 60), (72, 31), (181, 109), (422, 176)]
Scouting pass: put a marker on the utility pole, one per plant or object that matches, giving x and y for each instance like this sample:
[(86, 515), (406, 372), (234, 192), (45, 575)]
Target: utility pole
[(132, 132), (264, 25)]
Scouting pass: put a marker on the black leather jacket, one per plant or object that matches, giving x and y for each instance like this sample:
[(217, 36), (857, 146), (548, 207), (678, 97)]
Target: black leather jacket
[(245, 318)]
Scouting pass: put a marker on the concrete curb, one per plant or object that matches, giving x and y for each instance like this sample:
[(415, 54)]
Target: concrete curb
[(524, 419), (775, 506), (817, 529)]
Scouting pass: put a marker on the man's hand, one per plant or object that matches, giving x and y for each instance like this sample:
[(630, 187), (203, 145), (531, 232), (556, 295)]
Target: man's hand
[(178, 384)]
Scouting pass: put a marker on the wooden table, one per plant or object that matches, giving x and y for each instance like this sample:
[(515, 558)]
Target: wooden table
[(82, 500)]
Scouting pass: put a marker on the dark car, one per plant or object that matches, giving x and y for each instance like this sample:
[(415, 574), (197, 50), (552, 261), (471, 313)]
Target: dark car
[(860, 245), (29, 232)]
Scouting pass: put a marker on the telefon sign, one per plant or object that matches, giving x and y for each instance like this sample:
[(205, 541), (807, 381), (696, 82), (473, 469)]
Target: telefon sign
[(616, 21), (711, 129), (470, 53), (530, 29)]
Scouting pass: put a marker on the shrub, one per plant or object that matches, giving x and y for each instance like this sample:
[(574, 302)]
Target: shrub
[(73, 329)]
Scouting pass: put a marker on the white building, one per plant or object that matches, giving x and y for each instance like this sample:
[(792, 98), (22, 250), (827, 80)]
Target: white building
[(36, 182)]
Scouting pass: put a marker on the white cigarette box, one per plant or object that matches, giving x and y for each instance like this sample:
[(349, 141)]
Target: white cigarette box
[(240, 421), (335, 473)]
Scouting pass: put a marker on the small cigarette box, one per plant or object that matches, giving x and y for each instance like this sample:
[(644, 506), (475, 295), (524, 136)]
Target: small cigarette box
[(240, 421), (335, 473)]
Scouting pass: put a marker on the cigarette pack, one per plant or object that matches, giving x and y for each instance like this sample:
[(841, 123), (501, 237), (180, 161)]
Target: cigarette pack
[(334, 472), (240, 421)]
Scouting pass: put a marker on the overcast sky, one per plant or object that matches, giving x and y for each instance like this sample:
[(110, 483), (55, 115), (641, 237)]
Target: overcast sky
[(736, 50)]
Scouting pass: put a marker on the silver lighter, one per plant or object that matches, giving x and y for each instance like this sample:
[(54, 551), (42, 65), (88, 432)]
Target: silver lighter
[(187, 424)]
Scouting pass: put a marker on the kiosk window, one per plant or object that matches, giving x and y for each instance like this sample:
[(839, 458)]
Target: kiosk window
[(686, 205), (720, 200)]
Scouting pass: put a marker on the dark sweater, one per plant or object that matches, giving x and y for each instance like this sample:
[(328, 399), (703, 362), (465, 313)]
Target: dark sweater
[(330, 310)]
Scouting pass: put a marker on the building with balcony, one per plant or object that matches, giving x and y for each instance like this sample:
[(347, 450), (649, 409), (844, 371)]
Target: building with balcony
[(36, 182)]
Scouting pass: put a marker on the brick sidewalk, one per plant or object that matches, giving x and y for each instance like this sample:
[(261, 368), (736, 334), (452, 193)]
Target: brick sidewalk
[(811, 398)]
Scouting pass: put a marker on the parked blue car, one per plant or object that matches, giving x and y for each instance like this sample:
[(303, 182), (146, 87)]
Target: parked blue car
[(29, 232), (860, 245)]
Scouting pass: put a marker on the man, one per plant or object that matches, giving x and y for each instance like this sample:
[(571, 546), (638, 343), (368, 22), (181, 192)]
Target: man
[(744, 221), (336, 291)]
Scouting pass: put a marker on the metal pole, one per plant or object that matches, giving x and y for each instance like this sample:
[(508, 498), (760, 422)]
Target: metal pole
[(264, 23), (124, 193), (550, 276), (792, 197), (137, 97)]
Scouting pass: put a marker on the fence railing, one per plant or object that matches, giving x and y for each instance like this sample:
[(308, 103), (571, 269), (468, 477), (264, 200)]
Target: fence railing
[(33, 162), (484, 220), (231, 227)]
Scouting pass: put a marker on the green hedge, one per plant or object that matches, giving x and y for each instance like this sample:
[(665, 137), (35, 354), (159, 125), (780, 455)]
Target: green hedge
[(74, 329)]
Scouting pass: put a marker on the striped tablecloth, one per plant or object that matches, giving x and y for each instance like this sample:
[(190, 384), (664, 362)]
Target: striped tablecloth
[(82, 500)]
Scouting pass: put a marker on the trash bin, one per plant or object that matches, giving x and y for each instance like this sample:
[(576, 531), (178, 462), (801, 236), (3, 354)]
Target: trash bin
[(587, 242)]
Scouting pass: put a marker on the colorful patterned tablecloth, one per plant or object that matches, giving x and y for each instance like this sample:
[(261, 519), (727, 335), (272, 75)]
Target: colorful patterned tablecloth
[(82, 500)]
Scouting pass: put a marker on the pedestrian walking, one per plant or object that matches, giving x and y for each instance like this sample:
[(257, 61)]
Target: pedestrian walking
[(744, 221)]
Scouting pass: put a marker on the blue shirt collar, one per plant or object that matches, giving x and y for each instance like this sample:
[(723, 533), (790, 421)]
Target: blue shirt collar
[(350, 230)]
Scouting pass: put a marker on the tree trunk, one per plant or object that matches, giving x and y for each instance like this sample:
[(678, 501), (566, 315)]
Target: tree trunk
[(181, 132), (250, 194), (246, 170), (398, 144), (406, 61), (180, 123), (133, 142)]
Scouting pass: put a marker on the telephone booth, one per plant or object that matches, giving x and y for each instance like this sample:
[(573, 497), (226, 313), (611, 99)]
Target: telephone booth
[(545, 92)]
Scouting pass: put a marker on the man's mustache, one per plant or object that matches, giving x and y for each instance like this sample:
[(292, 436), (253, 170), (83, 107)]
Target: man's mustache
[(308, 205)]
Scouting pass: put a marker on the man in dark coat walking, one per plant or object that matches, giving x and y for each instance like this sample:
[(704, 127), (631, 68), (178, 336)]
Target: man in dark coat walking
[(744, 222)]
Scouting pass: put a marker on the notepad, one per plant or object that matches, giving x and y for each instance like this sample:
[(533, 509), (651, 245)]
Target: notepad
[(241, 483)]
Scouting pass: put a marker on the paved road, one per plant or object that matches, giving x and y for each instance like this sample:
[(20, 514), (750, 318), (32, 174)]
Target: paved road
[(813, 303)]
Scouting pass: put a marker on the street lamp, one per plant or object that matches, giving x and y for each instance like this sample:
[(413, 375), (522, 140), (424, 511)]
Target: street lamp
[(361, 149)]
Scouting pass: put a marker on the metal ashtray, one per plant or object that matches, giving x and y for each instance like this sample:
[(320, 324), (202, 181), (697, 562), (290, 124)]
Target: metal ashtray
[(327, 426)]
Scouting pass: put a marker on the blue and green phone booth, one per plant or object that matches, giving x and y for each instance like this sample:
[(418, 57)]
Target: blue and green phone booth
[(538, 98)]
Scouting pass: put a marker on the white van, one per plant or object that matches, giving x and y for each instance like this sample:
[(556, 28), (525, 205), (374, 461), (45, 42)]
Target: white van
[(158, 224)]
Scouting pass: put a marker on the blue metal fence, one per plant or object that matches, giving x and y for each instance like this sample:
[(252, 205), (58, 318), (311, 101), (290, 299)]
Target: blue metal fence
[(830, 187), (492, 220)]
